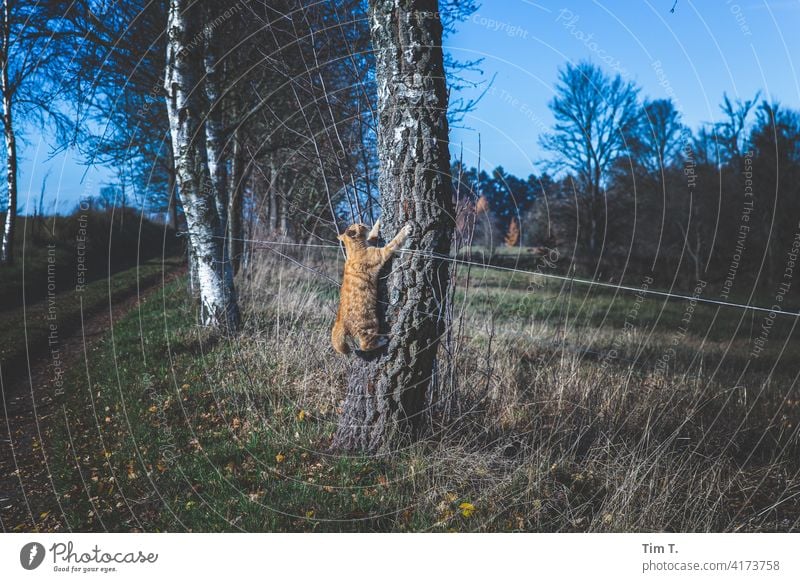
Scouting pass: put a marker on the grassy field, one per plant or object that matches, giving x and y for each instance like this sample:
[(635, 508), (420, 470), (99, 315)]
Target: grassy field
[(25, 334), (39, 299), (578, 410), (46, 248)]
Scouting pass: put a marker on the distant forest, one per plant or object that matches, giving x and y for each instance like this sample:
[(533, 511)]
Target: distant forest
[(639, 192)]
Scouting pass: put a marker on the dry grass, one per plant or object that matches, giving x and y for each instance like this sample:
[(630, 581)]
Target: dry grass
[(565, 420), (553, 432)]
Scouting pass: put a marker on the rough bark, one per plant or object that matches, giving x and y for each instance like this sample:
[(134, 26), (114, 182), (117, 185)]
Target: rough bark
[(204, 226), (386, 395), (7, 252)]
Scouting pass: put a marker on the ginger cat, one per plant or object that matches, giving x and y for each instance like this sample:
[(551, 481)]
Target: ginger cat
[(358, 306)]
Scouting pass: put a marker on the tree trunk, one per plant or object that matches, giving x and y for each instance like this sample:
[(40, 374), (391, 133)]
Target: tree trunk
[(7, 252), (184, 108), (213, 124), (594, 211), (215, 137), (386, 395), (11, 176), (273, 199), (172, 203), (284, 221), (193, 280), (235, 204)]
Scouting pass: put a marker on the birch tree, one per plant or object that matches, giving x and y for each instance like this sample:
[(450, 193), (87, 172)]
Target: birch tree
[(7, 254), (385, 402), (185, 107)]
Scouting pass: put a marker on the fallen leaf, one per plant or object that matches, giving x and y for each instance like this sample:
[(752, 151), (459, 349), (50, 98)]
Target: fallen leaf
[(467, 509)]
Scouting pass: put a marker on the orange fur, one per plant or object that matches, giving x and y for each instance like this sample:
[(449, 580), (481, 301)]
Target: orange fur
[(358, 304)]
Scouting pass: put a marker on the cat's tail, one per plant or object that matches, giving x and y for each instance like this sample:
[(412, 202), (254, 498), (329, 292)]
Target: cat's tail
[(338, 339)]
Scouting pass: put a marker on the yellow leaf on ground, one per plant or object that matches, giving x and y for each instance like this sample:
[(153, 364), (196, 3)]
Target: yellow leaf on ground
[(467, 509)]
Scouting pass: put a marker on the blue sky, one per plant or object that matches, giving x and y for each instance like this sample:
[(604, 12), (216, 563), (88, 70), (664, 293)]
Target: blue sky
[(693, 55), (68, 180)]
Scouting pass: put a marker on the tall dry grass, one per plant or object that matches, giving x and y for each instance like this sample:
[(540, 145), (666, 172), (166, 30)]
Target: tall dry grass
[(561, 424)]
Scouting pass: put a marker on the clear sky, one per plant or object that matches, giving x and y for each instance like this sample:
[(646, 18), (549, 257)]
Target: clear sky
[(68, 180), (704, 48)]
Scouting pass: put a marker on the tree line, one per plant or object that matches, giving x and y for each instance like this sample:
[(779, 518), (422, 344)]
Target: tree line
[(629, 190)]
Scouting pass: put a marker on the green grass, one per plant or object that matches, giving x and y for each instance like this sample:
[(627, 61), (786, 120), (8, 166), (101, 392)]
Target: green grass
[(27, 333), (512, 296), (39, 296), (46, 248), (174, 428)]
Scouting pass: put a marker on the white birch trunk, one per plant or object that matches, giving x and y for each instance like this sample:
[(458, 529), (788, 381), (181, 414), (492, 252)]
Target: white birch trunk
[(7, 252), (215, 143), (184, 108), (213, 125)]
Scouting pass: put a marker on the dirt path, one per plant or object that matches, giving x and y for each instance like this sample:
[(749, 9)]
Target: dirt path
[(27, 499)]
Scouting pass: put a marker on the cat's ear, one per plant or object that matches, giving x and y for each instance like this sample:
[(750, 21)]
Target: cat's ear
[(340, 236)]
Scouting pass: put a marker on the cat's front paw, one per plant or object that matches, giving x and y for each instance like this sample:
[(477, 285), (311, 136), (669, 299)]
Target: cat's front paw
[(406, 231), (375, 232)]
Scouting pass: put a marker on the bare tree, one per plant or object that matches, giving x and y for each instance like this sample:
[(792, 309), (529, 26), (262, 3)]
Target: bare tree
[(27, 51), (659, 135), (732, 132), (115, 82), (387, 389), (595, 118)]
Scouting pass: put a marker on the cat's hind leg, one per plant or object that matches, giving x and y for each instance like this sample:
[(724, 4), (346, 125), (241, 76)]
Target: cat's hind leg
[(371, 340), (339, 338)]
